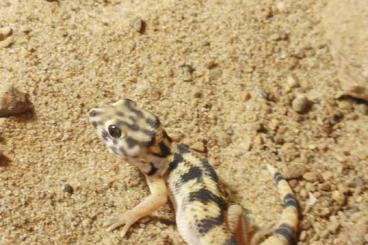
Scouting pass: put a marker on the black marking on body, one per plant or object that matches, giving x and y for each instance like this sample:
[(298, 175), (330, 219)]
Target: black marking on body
[(207, 224), (94, 124), (178, 158), (290, 201), (154, 123), (120, 114), (164, 150), (94, 113), (230, 242), (149, 133), (203, 195), (133, 127), (105, 135), (210, 171), (132, 142), (166, 136), (182, 149), (130, 105), (277, 178), (287, 232), (193, 173), (153, 170)]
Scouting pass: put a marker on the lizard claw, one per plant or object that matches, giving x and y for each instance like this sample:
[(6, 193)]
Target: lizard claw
[(125, 219)]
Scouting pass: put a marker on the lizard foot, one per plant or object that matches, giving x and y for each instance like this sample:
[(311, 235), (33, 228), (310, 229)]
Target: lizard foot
[(126, 219)]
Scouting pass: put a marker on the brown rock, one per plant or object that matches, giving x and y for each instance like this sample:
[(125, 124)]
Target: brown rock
[(301, 104), (310, 177), (338, 197), (5, 32), (198, 146), (294, 171), (12, 101), (138, 24)]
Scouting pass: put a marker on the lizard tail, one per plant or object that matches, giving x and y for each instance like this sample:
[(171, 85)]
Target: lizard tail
[(285, 231)]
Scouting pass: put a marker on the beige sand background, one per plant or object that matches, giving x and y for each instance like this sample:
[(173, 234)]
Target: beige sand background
[(221, 75)]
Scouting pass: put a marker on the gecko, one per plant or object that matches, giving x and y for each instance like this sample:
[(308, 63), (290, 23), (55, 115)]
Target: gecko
[(176, 173)]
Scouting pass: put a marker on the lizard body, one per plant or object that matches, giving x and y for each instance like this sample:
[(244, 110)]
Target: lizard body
[(174, 171)]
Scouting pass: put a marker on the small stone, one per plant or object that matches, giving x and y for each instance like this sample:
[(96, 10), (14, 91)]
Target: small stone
[(338, 197), (292, 81), (294, 171), (197, 94), (326, 175), (198, 146), (68, 189), (5, 32), (303, 193), (245, 96), (323, 212), (310, 177), (301, 104), (215, 73), (138, 24), (362, 109), (312, 200), (210, 64), (293, 183), (333, 226), (186, 73), (325, 187), (12, 101), (223, 139), (279, 139)]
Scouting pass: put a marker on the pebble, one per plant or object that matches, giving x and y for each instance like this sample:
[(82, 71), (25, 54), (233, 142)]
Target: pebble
[(338, 197), (294, 171), (5, 32), (325, 187), (186, 73), (279, 139), (301, 104), (68, 189), (310, 177), (215, 73), (292, 81), (210, 64), (311, 200), (245, 96), (323, 212), (12, 101), (326, 175), (138, 24), (334, 225), (223, 139), (198, 146)]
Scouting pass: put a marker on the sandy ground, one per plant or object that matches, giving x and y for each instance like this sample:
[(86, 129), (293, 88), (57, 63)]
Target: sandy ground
[(221, 75)]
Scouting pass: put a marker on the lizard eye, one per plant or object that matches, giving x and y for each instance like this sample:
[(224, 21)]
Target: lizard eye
[(114, 131)]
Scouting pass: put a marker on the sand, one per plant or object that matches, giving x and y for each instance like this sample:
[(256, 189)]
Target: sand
[(223, 76)]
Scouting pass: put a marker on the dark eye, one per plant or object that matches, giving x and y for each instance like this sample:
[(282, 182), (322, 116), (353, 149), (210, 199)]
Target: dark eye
[(114, 131)]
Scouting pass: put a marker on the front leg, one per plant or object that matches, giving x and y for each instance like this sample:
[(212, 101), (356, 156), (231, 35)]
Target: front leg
[(154, 201)]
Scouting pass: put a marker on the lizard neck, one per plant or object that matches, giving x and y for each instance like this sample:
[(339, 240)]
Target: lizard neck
[(157, 158)]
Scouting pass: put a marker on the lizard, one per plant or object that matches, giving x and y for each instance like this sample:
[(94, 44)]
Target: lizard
[(174, 172)]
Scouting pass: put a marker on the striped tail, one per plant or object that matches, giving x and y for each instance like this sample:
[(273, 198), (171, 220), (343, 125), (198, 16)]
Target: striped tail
[(285, 232)]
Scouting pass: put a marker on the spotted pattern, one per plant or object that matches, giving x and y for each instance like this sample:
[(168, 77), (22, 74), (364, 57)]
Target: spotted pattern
[(140, 138)]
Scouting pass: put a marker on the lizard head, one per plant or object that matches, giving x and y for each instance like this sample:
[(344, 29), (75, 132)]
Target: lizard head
[(130, 132)]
